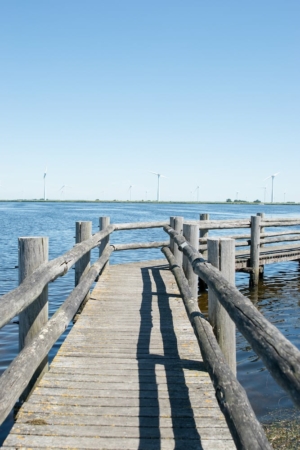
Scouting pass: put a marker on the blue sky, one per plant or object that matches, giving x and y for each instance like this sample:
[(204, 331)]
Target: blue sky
[(102, 92)]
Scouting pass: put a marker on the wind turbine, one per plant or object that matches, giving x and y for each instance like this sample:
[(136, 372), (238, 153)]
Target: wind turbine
[(265, 190), (45, 174), (197, 189), (158, 179), (62, 189), (272, 176), (130, 188)]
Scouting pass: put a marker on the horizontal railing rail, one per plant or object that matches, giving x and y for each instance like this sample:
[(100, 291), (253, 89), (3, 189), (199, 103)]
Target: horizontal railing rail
[(241, 223), (246, 430), (18, 299), (203, 240), (139, 245), (140, 225)]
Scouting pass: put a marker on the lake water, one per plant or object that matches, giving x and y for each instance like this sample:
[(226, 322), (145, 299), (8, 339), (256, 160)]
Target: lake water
[(278, 296)]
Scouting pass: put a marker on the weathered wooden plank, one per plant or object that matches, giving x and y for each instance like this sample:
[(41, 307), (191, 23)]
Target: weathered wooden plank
[(117, 421), (118, 398), (114, 375), (67, 442), (128, 411), (119, 432)]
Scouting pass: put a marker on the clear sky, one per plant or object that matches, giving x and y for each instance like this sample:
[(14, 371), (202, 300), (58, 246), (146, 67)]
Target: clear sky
[(102, 92)]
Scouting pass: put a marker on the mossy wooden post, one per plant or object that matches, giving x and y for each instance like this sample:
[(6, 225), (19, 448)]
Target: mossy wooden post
[(83, 233), (203, 233), (254, 250), (178, 226), (33, 251), (221, 254), (191, 234), (103, 223), (262, 230), (172, 220)]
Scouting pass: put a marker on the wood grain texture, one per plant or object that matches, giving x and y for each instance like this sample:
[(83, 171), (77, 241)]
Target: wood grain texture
[(15, 301), (255, 249), (129, 375), (221, 255), (33, 252)]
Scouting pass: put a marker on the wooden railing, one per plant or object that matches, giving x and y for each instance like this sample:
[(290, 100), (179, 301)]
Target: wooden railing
[(278, 354), (39, 335)]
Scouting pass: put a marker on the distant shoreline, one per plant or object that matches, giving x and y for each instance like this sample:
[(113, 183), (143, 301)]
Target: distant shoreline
[(152, 202)]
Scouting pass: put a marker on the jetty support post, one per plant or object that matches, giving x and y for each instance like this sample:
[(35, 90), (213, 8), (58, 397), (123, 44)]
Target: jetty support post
[(103, 223), (33, 251), (191, 234), (83, 233), (255, 250), (203, 233), (178, 226), (172, 220), (262, 230), (221, 254)]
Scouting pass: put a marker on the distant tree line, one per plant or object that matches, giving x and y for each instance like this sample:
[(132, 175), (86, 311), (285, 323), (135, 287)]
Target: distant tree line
[(241, 201)]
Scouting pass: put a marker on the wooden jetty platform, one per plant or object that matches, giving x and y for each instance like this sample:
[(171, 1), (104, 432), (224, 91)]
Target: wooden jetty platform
[(143, 368), (129, 375), (269, 255)]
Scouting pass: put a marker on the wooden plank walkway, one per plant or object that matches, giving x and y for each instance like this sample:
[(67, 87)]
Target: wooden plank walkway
[(269, 255), (128, 376)]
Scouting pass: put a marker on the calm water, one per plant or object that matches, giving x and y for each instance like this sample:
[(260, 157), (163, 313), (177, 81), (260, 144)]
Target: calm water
[(278, 296)]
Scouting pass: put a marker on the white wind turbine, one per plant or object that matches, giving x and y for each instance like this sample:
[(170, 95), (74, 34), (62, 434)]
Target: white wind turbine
[(197, 189), (45, 174), (272, 176), (62, 190), (265, 190), (158, 180), (130, 188)]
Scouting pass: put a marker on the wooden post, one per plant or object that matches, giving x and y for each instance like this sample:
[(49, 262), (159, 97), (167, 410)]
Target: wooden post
[(33, 251), (262, 230), (203, 233), (178, 226), (83, 232), (254, 250), (172, 220), (103, 223), (221, 254), (191, 234)]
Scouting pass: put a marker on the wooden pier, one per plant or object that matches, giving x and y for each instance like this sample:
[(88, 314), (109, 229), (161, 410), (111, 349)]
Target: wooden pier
[(142, 368), (129, 375)]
